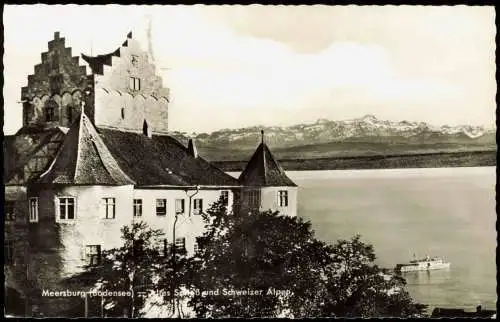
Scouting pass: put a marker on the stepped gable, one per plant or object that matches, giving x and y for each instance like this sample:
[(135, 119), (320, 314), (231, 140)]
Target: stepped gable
[(84, 159), (97, 63), (58, 72), (162, 161), (264, 171)]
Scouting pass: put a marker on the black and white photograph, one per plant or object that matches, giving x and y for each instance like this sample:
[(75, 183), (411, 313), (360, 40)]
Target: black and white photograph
[(249, 161)]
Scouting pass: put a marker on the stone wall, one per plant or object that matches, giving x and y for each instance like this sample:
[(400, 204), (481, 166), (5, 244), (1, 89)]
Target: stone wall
[(57, 250), (187, 226), (124, 111), (56, 89), (124, 105), (270, 200), (15, 232), (58, 82), (50, 251)]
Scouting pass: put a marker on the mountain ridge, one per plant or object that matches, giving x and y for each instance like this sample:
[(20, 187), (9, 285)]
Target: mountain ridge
[(367, 129)]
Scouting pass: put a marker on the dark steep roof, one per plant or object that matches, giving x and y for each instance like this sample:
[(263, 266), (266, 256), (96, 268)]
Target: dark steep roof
[(84, 159), (161, 160), (264, 171)]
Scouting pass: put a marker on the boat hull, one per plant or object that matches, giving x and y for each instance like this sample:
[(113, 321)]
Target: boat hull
[(422, 267)]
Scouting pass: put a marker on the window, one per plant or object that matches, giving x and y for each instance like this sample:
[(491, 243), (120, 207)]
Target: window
[(9, 252), (109, 208), (197, 206), (10, 214), (137, 207), (135, 59), (283, 198), (180, 244), (33, 211), (123, 112), (27, 110), (179, 206), (254, 197), (50, 110), (66, 208), (161, 207), (135, 83), (225, 197), (69, 113), (92, 255)]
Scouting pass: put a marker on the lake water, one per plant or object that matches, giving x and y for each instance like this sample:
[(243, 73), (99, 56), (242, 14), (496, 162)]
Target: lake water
[(446, 212)]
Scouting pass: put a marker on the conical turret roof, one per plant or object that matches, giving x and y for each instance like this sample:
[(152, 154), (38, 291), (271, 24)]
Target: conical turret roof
[(264, 171), (84, 159)]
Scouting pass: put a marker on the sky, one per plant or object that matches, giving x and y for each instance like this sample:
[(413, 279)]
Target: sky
[(238, 66)]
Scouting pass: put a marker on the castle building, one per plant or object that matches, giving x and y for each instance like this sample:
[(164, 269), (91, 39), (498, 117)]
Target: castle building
[(94, 154), (266, 185)]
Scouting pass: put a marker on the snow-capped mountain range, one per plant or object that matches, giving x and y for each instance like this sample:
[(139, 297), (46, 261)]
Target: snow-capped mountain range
[(366, 128)]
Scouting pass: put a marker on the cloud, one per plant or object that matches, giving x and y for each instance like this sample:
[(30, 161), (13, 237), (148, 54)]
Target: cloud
[(240, 66)]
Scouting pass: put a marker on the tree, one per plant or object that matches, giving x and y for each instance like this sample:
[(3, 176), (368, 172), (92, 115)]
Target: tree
[(358, 287), (135, 267), (286, 272)]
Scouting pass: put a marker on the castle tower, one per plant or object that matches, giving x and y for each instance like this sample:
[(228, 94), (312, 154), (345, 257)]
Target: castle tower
[(128, 94), (56, 89), (75, 210), (91, 158), (121, 91), (266, 185)]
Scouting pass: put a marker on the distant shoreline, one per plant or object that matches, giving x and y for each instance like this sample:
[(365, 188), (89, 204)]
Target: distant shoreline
[(422, 160)]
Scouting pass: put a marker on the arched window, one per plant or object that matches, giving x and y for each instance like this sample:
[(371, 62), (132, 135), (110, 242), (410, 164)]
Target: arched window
[(123, 113), (27, 111), (50, 111), (145, 129), (69, 113)]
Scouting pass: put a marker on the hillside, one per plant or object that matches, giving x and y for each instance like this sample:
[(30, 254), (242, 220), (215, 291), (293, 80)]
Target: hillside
[(432, 160), (366, 136)]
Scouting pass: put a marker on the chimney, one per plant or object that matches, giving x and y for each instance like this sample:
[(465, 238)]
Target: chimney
[(56, 35), (192, 150), (262, 136)]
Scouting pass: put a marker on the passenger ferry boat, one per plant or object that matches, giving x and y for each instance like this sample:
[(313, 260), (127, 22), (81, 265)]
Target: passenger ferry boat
[(424, 264)]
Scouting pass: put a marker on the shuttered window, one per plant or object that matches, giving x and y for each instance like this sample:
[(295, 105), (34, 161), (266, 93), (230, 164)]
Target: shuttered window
[(161, 207), (179, 206), (197, 206)]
